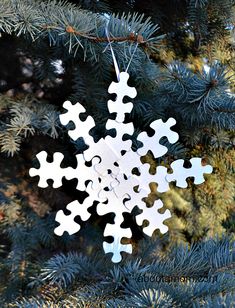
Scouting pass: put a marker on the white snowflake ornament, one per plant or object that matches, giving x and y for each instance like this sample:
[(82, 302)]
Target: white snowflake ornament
[(108, 178)]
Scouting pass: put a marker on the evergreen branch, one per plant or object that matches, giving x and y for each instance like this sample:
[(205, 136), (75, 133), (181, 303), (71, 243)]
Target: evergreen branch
[(27, 117), (74, 27), (132, 38), (224, 110)]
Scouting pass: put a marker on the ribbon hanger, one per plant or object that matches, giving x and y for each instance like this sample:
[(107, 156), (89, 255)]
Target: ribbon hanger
[(117, 70), (113, 55)]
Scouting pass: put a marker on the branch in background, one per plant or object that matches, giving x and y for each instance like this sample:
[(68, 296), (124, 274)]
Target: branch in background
[(130, 38)]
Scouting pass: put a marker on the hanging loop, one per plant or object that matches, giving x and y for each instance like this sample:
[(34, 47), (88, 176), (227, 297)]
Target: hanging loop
[(131, 58), (113, 55)]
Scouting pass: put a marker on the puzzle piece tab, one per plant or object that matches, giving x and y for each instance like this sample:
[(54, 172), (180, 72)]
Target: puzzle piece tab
[(67, 222)]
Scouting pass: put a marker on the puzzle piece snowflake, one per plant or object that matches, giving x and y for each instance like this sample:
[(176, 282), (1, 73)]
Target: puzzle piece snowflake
[(109, 179)]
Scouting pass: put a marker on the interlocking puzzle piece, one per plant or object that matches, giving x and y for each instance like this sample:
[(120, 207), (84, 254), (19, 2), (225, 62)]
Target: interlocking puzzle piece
[(152, 143), (125, 186), (117, 144), (122, 89), (159, 177), (49, 171), (124, 189), (128, 162), (136, 199), (154, 218), (107, 155), (82, 128), (83, 173), (113, 204), (107, 180), (93, 195), (180, 173)]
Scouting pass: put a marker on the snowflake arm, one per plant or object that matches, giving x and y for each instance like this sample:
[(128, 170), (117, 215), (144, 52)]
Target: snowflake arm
[(114, 205)]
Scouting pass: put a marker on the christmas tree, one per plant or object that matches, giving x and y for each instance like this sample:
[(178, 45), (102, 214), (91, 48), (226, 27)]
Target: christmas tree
[(180, 58)]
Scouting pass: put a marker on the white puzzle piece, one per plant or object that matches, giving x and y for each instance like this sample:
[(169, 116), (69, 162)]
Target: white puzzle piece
[(107, 157), (128, 162), (117, 232), (180, 173), (83, 173), (154, 218), (122, 89), (49, 171), (117, 144), (152, 143), (82, 128), (159, 177)]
